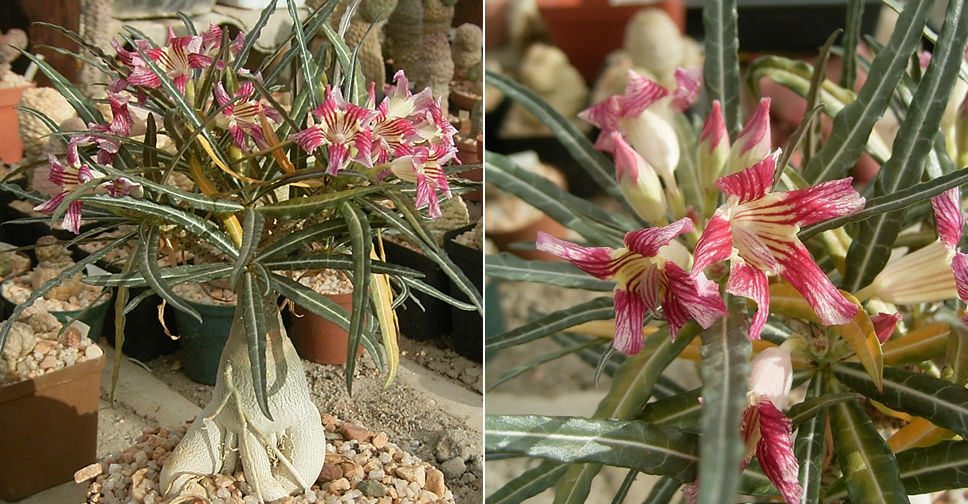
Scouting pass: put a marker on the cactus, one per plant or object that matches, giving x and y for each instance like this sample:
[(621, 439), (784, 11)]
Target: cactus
[(11, 43), (417, 35), (97, 26), (371, 59), (466, 52)]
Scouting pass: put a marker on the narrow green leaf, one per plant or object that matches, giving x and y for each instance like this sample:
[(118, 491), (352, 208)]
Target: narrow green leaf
[(340, 261), (592, 356), (430, 290), (601, 308), (853, 125), (311, 300), (346, 61), (623, 443), (295, 240), (563, 274), (252, 225), (307, 64), (361, 241), (663, 491), (682, 411), (928, 33), (938, 467), (544, 195), (190, 222), (855, 16), (623, 489), (956, 353), (866, 257), (301, 207), (720, 73), (78, 100), (725, 366), (816, 404), (867, 462), (199, 273), (597, 165), (254, 307), (943, 403), (630, 390), (148, 261), (253, 35), (530, 483), (809, 446)]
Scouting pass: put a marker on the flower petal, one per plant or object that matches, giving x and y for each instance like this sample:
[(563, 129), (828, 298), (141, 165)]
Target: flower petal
[(823, 201), (50, 205), (751, 183), (72, 218), (753, 142), (775, 452), (690, 297), (630, 311), (884, 325), (805, 276), (959, 266), (640, 93), (715, 244), (948, 215), (596, 261), (771, 376), (687, 85), (648, 241), (309, 139), (751, 283), (638, 182)]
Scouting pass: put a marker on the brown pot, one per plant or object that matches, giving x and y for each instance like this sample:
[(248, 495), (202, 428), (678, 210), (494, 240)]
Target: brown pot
[(528, 233), (587, 30), (470, 151), (48, 428), (11, 146), (319, 340)]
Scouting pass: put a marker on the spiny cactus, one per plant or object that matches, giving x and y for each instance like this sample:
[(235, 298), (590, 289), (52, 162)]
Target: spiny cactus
[(417, 35), (97, 26), (466, 52)]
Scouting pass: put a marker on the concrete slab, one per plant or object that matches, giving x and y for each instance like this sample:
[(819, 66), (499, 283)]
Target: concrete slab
[(450, 396), (146, 395)]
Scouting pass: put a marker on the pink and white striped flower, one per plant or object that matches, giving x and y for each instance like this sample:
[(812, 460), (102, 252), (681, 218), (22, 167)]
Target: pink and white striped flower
[(423, 166), (768, 432), (757, 231), (640, 115), (108, 136), (951, 224), (179, 58), (241, 118), (713, 149), (69, 177), (649, 273), (344, 128), (754, 141), (638, 182)]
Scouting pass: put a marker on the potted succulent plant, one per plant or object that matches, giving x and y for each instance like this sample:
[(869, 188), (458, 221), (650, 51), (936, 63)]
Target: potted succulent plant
[(770, 272), (265, 183)]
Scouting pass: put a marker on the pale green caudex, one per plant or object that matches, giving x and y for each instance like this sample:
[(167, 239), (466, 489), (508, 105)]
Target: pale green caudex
[(766, 264), (271, 172)]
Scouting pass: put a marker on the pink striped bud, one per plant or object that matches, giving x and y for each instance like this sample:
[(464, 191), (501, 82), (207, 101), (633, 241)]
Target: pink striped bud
[(754, 142)]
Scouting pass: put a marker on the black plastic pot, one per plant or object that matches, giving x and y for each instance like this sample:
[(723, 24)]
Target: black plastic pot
[(144, 338), (433, 321), (467, 337)]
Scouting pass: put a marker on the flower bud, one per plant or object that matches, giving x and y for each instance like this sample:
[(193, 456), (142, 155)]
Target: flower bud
[(754, 142), (652, 136), (638, 182), (922, 276), (771, 377), (713, 148)]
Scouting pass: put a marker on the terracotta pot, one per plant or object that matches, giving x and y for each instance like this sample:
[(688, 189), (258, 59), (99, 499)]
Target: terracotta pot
[(48, 428), (527, 234), (587, 30), (470, 151), (11, 146), (319, 340)]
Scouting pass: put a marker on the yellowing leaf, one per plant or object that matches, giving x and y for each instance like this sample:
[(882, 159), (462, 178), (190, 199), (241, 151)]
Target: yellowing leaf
[(861, 336), (919, 433), (785, 300), (918, 345), (382, 297)]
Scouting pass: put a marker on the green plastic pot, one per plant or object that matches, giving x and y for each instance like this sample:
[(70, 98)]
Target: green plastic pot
[(93, 315), (202, 343)]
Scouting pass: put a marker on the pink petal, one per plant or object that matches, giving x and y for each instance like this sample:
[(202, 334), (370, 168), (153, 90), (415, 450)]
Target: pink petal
[(221, 95), (753, 182), (238, 136), (596, 261), (180, 82), (73, 158), (648, 241), (605, 114), (121, 118), (427, 196), (822, 201), (196, 60), (714, 130), (948, 215), (775, 452), (884, 325), (715, 244), (72, 218), (805, 276), (687, 85), (143, 76), (640, 93), (751, 283), (754, 140), (212, 38), (50, 205), (629, 316), (959, 266), (690, 297), (338, 156), (309, 139)]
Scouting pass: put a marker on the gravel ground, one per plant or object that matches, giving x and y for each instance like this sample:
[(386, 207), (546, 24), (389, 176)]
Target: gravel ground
[(411, 419)]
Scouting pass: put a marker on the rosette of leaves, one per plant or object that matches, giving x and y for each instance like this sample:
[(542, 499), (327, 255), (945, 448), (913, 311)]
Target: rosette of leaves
[(911, 387), (255, 210)]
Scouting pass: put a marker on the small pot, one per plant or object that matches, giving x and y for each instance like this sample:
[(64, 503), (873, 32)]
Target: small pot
[(467, 337), (11, 145), (319, 340), (144, 338), (202, 343), (48, 428)]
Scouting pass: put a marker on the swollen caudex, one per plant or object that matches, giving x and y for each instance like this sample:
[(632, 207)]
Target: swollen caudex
[(279, 457)]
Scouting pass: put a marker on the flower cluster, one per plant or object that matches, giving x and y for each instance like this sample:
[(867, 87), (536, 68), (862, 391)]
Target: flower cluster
[(406, 130), (404, 135)]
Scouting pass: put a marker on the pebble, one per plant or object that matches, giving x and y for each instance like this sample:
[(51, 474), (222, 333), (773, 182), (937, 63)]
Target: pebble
[(380, 440), (329, 472), (355, 432), (371, 488), (435, 482), (453, 468), (452, 444)]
